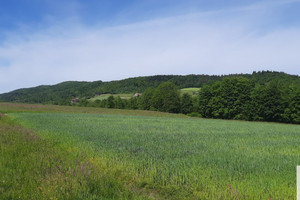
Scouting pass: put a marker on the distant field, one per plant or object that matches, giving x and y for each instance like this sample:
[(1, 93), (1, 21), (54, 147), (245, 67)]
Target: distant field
[(105, 96), (184, 158), (17, 107), (191, 91)]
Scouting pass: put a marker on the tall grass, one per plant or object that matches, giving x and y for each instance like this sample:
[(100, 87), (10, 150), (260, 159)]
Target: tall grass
[(184, 158), (34, 168)]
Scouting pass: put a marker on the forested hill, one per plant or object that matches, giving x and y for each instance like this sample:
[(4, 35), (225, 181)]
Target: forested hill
[(62, 93)]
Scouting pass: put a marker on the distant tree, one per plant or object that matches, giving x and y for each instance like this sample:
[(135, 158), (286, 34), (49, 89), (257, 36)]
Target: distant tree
[(144, 101), (103, 103), (267, 102), (110, 102), (97, 103), (195, 101), (133, 103), (294, 107), (186, 103), (205, 96), (236, 94), (83, 102), (227, 99), (166, 98), (119, 103), (291, 100)]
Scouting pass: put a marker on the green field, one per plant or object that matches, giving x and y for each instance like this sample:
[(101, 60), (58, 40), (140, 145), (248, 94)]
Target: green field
[(105, 96), (190, 91), (172, 157)]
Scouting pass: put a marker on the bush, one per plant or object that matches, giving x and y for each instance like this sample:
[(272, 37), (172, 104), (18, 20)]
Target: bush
[(194, 114)]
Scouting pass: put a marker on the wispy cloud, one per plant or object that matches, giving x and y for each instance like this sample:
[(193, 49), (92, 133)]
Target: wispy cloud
[(198, 43)]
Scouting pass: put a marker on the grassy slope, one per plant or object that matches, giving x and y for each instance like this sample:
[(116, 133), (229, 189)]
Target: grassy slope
[(184, 156)]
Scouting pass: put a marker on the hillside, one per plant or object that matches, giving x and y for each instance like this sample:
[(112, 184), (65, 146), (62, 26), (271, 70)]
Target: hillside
[(62, 93)]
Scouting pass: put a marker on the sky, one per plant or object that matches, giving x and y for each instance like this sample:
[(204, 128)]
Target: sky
[(45, 42)]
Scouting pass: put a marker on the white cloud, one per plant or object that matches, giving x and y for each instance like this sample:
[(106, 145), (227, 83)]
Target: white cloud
[(209, 43)]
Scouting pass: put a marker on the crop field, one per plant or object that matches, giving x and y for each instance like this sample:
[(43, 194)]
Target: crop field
[(182, 158)]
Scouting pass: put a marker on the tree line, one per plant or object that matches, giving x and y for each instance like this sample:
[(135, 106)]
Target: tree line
[(62, 93), (260, 96), (236, 98)]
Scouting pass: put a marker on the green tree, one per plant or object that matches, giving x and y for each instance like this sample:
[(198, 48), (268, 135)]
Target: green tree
[(267, 103), (166, 98), (83, 102), (110, 102), (133, 103), (227, 99), (97, 103), (236, 94), (205, 96), (292, 105), (186, 103), (144, 101), (119, 103)]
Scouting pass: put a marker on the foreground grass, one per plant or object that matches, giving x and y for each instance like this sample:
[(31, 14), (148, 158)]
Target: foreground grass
[(34, 168), (183, 158)]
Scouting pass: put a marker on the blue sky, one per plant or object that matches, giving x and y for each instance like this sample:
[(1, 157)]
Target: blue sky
[(50, 41)]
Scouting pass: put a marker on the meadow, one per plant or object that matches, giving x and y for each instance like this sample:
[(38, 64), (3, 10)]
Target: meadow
[(174, 157), (105, 96), (190, 91)]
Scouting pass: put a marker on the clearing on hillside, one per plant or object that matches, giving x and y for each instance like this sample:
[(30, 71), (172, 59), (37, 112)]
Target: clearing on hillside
[(105, 96), (190, 91)]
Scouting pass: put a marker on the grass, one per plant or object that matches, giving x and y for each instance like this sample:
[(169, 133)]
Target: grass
[(190, 91), (180, 158), (105, 96), (34, 168), (17, 107)]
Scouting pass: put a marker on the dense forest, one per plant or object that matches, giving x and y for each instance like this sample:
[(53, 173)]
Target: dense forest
[(260, 96)]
